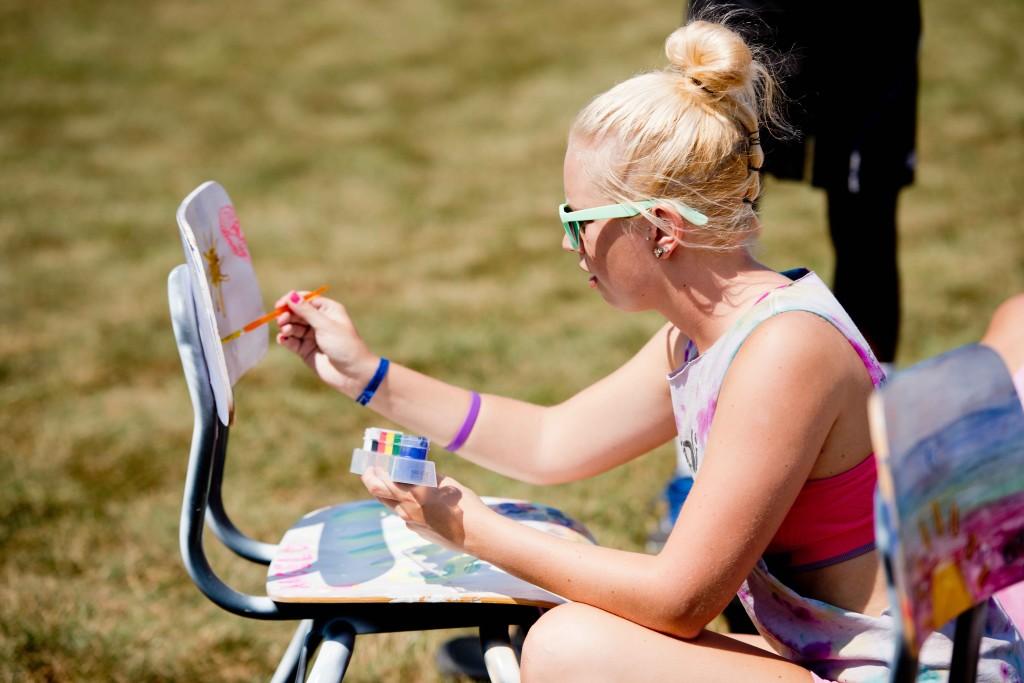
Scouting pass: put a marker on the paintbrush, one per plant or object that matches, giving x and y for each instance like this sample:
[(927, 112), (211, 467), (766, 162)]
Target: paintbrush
[(264, 319)]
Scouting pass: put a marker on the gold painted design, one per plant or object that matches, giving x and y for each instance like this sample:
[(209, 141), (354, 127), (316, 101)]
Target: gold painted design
[(216, 276), (949, 594), (937, 518), (925, 536)]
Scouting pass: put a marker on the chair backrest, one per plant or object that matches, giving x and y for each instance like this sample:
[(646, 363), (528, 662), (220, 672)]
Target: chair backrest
[(209, 437), (949, 437)]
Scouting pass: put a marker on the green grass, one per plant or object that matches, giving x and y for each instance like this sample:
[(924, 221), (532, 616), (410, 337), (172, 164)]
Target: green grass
[(409, 154)]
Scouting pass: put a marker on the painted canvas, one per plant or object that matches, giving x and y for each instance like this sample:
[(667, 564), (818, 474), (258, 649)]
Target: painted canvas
[(949, 435), (224, 288), (361, 552)]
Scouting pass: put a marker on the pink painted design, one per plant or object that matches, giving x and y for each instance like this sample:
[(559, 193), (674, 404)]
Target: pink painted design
[(705, 417), (232, 231), (287, 572), (297, 582), (982, 567)]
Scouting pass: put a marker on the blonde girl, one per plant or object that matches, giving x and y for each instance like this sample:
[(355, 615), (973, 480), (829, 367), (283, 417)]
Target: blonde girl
[(761, 376)]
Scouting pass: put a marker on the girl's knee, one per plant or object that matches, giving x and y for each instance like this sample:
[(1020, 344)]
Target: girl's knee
[(561, 644)]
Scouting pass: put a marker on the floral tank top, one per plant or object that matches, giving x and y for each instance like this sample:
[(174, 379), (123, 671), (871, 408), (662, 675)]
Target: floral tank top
[(834, 643)]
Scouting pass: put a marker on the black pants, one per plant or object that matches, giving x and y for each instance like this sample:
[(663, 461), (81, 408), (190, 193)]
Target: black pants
[(867, 283)]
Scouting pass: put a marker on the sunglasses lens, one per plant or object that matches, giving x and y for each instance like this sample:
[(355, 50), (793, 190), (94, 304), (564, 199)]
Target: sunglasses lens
[(572, 231)]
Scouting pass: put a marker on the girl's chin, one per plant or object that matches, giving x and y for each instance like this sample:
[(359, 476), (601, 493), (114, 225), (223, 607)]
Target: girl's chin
[(610, 298)]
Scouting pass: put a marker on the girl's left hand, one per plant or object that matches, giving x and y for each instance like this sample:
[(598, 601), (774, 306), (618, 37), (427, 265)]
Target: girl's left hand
[(441, 515)]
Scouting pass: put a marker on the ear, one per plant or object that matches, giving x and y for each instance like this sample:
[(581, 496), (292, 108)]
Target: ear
[(677, 225)]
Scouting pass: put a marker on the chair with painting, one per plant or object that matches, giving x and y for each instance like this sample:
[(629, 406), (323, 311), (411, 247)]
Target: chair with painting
[(342, 571), (949, 437)]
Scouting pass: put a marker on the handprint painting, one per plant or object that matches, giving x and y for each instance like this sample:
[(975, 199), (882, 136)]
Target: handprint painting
[(951, 485), (224, 288)]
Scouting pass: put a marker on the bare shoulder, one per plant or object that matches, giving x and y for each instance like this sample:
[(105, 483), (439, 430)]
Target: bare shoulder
[(797, 335), (1005, 332), (801, 351)]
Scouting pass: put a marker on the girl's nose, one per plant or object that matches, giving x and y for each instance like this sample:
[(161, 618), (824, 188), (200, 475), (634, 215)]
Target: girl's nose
[(566, 246)]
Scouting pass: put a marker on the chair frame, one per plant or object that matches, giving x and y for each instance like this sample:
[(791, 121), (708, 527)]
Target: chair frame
[(331, 627)]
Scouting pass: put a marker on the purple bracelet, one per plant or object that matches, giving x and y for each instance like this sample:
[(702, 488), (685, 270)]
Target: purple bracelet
[(467, 426)]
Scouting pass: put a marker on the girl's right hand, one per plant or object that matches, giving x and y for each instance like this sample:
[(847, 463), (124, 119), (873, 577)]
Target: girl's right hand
[(321, 333)]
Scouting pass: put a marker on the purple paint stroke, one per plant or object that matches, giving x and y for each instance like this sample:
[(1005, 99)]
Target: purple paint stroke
[(868, 359), (811, 650), (819, 649), (799, 612), (304, 570), (705, 417)]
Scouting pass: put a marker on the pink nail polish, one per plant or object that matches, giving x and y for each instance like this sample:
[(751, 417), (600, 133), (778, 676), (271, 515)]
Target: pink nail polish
[(295, 297)]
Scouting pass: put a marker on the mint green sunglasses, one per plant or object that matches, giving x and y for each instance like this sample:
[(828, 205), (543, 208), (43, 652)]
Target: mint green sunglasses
[(572, 221)]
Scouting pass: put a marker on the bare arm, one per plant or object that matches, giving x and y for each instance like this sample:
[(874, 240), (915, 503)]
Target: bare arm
[(619, 418), (780, 399)]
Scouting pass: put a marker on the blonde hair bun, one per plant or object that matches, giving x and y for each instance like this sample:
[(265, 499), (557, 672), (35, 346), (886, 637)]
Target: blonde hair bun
[(711, 57), (688, 133)]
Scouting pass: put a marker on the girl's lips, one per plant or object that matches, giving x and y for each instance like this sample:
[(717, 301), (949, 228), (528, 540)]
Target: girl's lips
[(592, 281)]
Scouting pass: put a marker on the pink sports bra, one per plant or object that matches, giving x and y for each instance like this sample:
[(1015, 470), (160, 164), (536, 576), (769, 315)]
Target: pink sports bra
[(832, 520)]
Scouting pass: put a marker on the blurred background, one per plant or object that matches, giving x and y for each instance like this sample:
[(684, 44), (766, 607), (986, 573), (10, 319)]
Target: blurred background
[(409, 154)]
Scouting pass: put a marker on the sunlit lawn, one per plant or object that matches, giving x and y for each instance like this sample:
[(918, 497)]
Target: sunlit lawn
[(408, 153)]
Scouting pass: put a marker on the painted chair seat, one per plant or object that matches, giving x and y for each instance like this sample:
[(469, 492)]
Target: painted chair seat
[(362, 552)]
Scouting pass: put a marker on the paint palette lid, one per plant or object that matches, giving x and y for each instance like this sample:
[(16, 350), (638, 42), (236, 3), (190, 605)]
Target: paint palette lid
[(399, 468), (390, 442)]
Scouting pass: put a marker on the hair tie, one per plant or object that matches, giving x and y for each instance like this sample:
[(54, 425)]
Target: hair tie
[(700, 84), (754, 169), (696, 81), (754, 139)]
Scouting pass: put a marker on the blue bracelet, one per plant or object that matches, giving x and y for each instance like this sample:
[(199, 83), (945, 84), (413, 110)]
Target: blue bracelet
[(378, 377)]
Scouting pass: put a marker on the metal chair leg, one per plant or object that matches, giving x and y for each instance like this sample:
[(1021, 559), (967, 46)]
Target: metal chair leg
[(309, 645), (966, 643), (335, 652), (499, 656), (285, 671)]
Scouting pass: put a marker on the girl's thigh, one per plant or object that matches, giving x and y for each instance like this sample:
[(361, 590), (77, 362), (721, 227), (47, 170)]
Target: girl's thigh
[(576, 642)]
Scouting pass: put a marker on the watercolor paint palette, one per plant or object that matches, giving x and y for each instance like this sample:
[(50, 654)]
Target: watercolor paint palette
[(363, 552), (402, 456)]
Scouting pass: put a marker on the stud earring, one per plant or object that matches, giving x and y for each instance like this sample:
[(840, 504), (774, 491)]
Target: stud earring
[(659, 252)]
